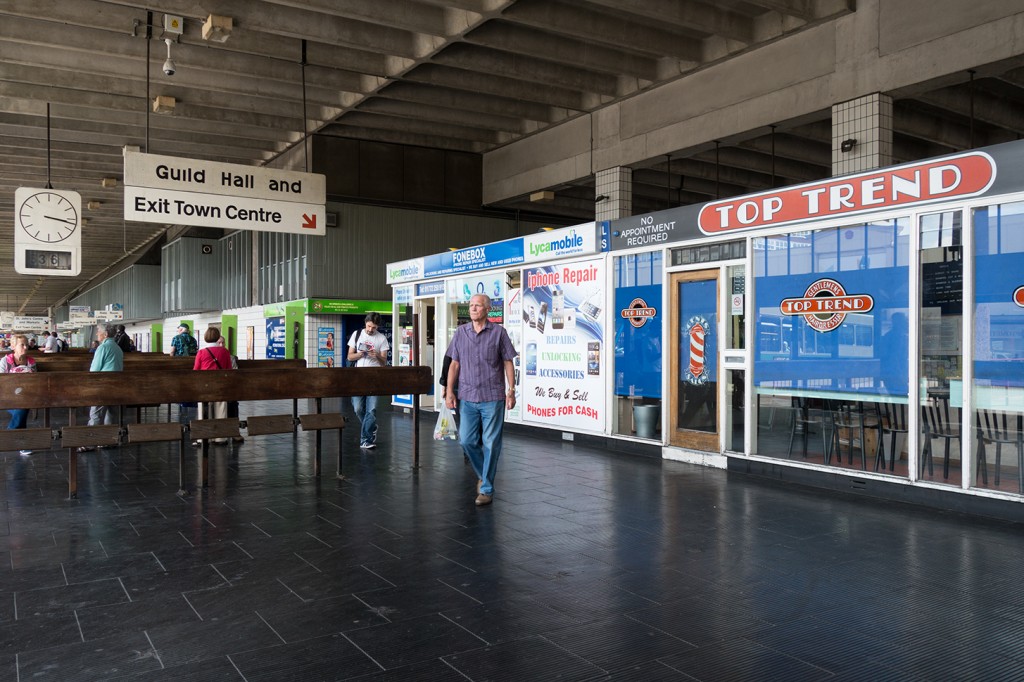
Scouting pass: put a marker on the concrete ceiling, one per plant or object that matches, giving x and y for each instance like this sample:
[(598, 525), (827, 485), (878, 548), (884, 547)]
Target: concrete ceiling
[(467, 75)]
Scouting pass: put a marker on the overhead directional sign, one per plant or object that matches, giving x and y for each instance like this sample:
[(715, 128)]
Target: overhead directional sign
[(30, 323), (168, 189)]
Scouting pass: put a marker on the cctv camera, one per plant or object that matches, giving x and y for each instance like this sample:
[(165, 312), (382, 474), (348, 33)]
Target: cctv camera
[(169, 64)]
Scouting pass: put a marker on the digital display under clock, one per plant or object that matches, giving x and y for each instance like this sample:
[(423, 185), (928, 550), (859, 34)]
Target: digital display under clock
[(47, 260)]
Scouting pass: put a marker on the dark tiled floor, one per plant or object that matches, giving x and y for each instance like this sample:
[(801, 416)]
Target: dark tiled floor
[(590, 565)]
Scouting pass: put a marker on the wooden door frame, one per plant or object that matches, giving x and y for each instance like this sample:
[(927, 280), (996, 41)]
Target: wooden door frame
[(692, 440)]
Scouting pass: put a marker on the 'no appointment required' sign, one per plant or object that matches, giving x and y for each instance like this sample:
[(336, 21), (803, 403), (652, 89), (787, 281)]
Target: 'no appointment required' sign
[(169, 189)]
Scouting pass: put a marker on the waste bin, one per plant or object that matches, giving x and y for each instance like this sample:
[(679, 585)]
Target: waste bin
[(645, 418)]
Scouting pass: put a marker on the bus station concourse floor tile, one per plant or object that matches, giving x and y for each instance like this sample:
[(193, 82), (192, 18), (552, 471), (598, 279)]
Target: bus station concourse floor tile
[(590, 564)]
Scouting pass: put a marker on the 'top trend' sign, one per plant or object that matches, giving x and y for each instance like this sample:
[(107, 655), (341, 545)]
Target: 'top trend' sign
[(172, 190)]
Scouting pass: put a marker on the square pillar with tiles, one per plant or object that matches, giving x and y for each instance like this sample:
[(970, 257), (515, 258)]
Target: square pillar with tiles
[(616, 186), (862, 134)]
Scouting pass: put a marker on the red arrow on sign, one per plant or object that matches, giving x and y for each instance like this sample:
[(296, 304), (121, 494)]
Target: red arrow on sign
[(309, 222)]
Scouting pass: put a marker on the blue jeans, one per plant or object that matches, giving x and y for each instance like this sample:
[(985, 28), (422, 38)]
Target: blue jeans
[(101, 414), (480, 435), (18, 419), (366, 409)]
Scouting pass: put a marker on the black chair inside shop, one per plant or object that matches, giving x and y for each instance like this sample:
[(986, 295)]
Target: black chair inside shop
[(850, 424), (892, 420), (936, 424), (1001, 429), (805, 417)]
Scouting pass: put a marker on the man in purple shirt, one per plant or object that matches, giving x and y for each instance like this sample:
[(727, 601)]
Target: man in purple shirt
[(481, 368)]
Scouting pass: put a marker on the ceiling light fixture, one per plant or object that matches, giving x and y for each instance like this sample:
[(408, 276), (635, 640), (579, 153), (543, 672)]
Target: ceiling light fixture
[(163, 104), (94, 205), (217, 29), (543, 197), (108, 182)]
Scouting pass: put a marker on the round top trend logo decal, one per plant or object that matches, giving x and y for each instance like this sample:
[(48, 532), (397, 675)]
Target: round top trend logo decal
[(826, 304), (638, 312)]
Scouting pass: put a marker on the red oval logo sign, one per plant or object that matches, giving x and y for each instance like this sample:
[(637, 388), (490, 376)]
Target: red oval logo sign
[(826, 304)]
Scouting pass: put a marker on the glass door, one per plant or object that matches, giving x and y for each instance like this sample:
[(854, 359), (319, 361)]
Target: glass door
[(693, 409), (940, 363)]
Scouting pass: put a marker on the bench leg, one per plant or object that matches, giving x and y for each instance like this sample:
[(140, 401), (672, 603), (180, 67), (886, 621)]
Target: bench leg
[(72, 460), (295, 417), (72, 473), (319, 442), (182, 442), (415, 430), (341, 476), (204, 468)]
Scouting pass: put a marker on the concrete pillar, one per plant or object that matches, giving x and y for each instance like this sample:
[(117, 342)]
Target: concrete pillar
[(868, 120), (616, 185)]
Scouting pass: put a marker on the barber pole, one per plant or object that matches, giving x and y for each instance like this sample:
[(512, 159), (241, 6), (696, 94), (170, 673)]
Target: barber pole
[(698, 370)]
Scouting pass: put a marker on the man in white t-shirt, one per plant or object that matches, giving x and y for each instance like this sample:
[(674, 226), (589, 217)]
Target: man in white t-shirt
[(51, 345), (368, 347)]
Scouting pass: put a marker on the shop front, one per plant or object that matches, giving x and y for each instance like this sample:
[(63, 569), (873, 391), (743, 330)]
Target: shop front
[(549, 292), (868, 325)]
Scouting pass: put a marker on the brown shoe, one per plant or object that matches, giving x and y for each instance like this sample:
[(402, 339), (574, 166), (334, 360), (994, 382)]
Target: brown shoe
[(482, 499)]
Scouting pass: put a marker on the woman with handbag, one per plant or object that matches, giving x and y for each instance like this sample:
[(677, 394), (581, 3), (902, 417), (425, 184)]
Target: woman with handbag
[(213, 357)]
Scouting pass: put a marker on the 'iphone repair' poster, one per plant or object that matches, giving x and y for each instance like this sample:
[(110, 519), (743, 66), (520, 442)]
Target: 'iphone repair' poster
[(563, 337)]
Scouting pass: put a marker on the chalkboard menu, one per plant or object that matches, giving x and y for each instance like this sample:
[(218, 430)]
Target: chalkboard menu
[(942, 286)]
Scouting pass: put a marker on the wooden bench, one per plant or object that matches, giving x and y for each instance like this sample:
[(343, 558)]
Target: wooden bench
[(84, 389), (61, 362)]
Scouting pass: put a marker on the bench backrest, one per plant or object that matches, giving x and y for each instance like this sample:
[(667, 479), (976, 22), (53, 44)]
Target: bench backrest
[(60, 362), (83, 389)]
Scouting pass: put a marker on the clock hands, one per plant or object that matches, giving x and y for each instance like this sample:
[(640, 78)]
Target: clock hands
[(63, 220)]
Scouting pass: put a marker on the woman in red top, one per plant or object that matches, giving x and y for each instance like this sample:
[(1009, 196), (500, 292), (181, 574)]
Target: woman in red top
[(214, 356), (14, 362)]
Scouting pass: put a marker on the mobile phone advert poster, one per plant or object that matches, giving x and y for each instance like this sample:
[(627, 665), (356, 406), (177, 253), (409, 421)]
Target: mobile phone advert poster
[(563, 340)]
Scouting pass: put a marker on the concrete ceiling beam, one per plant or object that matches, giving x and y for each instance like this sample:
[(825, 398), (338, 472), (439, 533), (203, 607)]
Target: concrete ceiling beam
[(469, 101), (806, 10), (655, 182), (597, 27), (429, 129), (410, 16), (697, 18), (814, 158), (80, 131), (762, 163), (426, 112), (400, 137), (912, 120), (472, 81), (988, 109), (264, 18), (530, 69), (520, 40)]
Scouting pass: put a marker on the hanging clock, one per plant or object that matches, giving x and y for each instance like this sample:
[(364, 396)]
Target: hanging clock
[(49, 216), (48, 234)]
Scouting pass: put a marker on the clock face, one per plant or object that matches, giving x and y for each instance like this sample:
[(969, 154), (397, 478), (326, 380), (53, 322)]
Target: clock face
[(48, 217)]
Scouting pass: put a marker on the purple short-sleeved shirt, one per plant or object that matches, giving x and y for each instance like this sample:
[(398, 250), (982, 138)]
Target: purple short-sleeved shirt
[(481, 357)]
